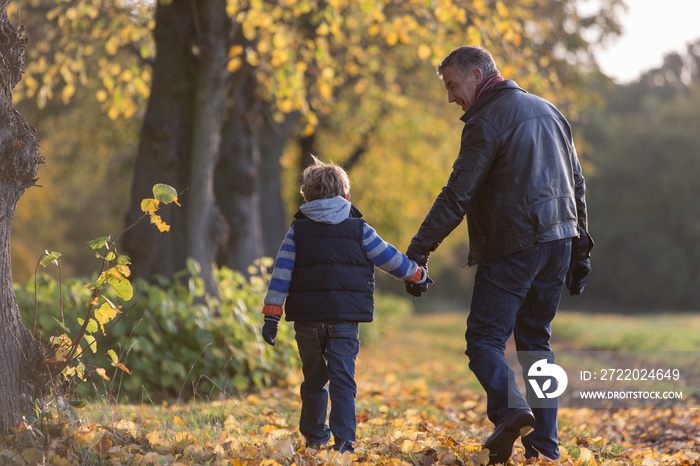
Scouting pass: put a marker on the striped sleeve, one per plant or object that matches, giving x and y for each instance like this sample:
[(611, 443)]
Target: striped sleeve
[(387, 257), (278, 289)]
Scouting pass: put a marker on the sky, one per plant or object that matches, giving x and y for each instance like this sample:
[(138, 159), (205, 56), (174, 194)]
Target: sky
[(651, 29)]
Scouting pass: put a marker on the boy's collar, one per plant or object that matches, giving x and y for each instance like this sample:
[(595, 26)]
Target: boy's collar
[(354, 213)]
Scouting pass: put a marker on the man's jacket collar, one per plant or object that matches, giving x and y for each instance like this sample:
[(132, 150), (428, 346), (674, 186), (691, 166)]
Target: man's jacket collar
[(486, 98)]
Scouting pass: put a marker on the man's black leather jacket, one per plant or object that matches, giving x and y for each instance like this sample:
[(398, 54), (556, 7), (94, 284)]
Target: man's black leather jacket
[(517, 179)]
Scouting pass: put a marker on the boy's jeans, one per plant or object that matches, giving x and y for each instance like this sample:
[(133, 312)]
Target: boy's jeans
[(517, 294), (328, 352)]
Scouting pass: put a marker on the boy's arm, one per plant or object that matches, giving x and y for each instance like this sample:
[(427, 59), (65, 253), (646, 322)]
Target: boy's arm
[(278, 289), (281, 278), (388, 258)]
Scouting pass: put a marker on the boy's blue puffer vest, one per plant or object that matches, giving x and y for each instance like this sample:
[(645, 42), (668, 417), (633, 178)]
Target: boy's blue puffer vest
[(332, 278)]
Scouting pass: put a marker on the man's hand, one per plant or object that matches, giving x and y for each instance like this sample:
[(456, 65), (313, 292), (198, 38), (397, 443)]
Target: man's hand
[(269, 330), (580, 265), (577, 276), (418, 288)]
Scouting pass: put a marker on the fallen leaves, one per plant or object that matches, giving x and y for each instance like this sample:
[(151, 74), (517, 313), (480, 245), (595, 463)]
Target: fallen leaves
[(418, 405)]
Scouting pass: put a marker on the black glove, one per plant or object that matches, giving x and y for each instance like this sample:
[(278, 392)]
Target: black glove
[(269, 330), (418, 288), (580, 265), (577, 276)]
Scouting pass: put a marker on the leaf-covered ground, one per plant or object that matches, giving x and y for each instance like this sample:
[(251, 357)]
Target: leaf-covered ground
[(418, 404)]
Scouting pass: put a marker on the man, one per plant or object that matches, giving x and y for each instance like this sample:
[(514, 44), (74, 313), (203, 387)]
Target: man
[(518, 181)]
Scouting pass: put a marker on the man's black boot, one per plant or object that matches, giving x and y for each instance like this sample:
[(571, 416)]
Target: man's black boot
[(500, 443)]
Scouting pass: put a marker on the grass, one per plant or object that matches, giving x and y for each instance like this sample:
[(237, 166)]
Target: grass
[(418, 403), (655, 332)]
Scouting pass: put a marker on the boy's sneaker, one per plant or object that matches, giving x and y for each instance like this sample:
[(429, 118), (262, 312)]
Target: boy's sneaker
[(500, 443)]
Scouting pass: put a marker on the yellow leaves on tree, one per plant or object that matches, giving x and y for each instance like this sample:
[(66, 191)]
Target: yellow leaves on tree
[(105, 313), (282, 35), (150, 206), (80, 40), (163, 194)]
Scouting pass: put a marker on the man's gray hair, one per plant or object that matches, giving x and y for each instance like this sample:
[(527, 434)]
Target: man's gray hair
[(466, 58)]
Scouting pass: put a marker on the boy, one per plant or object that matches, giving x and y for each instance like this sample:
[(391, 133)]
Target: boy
[(324, 277)]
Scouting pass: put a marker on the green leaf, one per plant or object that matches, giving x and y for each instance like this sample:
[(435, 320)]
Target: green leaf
[(165, 193), (113, 356), (123, 260), (91, 325), (48, 258), (60, 324), (77, 403), (100, 242), (92, 342), (122, 287), (99, 283)]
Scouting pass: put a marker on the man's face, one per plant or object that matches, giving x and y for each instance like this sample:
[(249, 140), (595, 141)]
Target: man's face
[(461, 89)]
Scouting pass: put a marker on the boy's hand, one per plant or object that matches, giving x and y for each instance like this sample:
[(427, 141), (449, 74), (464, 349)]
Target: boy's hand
[(418, 288), (269, 330)]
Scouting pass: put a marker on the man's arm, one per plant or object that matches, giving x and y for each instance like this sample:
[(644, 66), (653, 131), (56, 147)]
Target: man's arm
[(580, 264), (451, 205), (582, 245)]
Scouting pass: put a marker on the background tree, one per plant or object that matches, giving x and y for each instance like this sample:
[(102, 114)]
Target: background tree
[(85, 94), (643, 193), (181, 136), (21, 356), (294, 68), (295, 59)]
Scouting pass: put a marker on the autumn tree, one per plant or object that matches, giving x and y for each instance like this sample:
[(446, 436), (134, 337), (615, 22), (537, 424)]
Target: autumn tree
[(288, 68), (85, 89), (21, 356)]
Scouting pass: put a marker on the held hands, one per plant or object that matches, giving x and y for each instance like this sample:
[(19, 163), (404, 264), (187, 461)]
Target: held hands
[(269, 329), (416, 289)]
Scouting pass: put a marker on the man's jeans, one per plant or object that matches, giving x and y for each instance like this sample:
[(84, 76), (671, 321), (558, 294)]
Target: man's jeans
[(328, 352), (517, 294)]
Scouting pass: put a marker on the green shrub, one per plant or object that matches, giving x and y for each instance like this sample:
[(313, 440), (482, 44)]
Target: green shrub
[(175, 342), (178, 344)]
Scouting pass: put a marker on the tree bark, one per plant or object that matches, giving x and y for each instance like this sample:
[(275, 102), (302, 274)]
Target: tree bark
[(237, 182), (180, 139), (207, 131), (248, 178), (21, 356), (272, 210)]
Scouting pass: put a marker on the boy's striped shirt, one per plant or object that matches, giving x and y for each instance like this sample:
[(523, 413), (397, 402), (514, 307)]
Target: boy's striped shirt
[(379, 252)]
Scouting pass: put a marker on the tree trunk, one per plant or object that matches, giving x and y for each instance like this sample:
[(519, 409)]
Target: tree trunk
[(21, 356), (237, 182), (272, 210), (180, 139), (207, 131), (248, 178)]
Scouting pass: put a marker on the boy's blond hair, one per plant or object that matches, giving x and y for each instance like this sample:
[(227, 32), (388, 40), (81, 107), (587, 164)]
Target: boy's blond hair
[(324, 181)]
